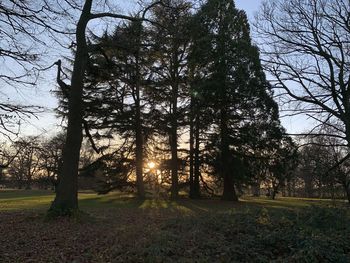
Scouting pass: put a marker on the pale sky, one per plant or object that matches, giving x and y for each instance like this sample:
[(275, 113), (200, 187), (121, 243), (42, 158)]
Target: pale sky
[(47, 123), (250, 6), (295, 124)]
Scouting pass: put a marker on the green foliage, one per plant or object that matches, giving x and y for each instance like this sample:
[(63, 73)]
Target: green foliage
[(244, 134)]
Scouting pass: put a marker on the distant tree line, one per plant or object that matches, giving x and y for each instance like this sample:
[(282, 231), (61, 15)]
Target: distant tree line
[(31, 162), (34, 163)]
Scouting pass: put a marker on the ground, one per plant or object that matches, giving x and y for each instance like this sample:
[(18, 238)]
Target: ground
[(120, 228)]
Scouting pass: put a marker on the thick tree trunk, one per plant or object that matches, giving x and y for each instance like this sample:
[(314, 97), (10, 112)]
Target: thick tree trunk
[(66, 198), (229, 193)]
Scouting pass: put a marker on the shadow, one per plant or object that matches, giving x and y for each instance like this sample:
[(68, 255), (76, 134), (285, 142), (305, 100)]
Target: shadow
[(112, 200)]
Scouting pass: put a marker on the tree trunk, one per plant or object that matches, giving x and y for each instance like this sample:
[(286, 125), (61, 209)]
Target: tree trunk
[(256, 189), (28, 184), (174, 160), (173, 140), (289, 189), (66, 198), (273, 194), (191, 149), (308, 184), (347, 191), (283, 190), (139, 135), (196, 186), (294, 189), (274, 190), (139, 154), (229, 193)]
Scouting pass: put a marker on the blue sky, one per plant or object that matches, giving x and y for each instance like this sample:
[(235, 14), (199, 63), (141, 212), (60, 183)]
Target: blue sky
[(294, 124), (250, 6), (47, 123)]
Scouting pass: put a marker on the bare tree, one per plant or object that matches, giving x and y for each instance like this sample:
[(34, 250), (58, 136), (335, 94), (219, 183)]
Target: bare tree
[(319, 167), (7, 156), (25, 28), (26, 164), (50, 155), (306, 48)]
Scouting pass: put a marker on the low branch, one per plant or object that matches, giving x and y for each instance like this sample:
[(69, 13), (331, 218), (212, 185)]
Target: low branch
[(91, 140)]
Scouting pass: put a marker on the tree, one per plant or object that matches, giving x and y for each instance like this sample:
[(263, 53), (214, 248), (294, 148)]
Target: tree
[(66, 199), (26, 164), (50, 155), (305, 48), (196, 122), (320, 166), (25, 28), (117, 95), (280, 165), (7, 157), (237, 96), (170, 33)]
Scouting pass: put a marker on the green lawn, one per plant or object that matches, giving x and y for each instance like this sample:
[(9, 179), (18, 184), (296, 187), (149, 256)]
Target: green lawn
[(15, 200), (121, 228)]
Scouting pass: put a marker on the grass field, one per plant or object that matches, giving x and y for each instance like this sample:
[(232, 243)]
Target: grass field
[(120, 228)]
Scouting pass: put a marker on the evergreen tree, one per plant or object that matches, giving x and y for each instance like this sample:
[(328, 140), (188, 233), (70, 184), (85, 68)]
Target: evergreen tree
[(114, 85), (236, 92), (171, 37)]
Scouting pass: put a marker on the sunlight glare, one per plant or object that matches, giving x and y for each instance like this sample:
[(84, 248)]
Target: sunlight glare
[(151, 165)]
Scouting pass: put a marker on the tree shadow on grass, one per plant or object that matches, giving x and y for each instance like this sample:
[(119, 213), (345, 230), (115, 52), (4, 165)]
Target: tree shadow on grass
[(112, 201)]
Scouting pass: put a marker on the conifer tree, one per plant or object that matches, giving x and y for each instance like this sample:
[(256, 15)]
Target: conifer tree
[(235, 90), (171, 37), (114, 87)]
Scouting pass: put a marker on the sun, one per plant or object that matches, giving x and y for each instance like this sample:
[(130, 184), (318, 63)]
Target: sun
[(151, 164)]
